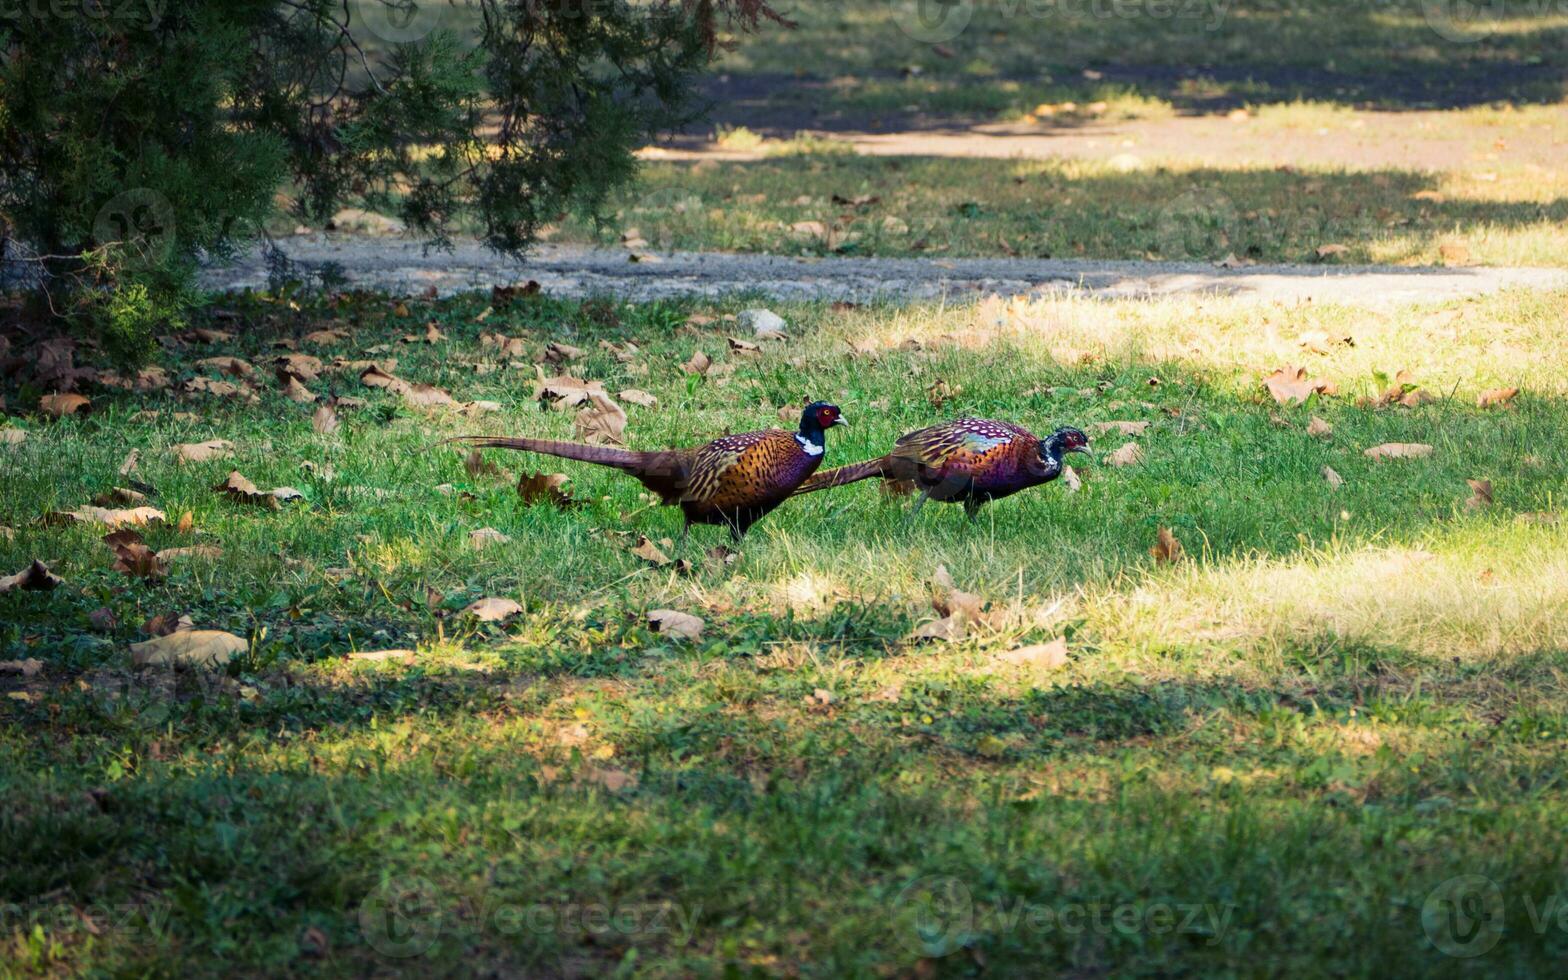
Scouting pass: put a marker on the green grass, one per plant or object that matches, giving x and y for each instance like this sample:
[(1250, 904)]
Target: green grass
[(1264, 758), (1164, 209)]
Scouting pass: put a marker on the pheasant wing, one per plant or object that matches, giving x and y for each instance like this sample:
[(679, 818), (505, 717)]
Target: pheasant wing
[(706, 477)]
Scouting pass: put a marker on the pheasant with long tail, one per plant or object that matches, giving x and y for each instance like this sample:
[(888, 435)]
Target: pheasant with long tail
[(969, 461), (734, 480)]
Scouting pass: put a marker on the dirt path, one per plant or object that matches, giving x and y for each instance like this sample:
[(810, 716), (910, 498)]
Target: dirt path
[(403, 266)]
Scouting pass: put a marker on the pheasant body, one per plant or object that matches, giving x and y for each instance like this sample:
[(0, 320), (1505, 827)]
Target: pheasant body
[(968, 460), (733, 481)]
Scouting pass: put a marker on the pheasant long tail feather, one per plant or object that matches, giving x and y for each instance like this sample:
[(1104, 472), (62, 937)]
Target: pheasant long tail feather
[(621, 459), (844, 474)]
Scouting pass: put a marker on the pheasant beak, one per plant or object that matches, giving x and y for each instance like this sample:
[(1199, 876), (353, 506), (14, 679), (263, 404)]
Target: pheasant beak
[(841, 420)]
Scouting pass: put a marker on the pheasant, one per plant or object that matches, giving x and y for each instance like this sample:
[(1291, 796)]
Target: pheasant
[(734, 481), (968, 460)]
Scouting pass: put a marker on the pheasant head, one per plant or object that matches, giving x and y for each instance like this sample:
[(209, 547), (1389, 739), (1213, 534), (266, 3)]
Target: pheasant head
[(813, 420)]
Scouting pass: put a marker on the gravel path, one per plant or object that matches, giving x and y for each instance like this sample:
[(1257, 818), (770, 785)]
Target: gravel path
[(399, 265)]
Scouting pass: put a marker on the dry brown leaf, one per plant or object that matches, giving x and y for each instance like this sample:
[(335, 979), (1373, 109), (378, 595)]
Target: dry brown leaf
[(103, 619), (546, 488), (430, 336), (1071, 480), (1039, 656), (188, 648), (296, 392), (373, 376), (325, 338), (945, 629), (556, 352), (201, 452), (1166, 547), (1319, 428), (1331, 250), (486, 536), (637, 396), (1128, 455), (1480, 494), (108, 517), (698, 364), (1454, 253), (60, 405), (949, 600), (421, 395), (207, 551), (493, 609), (602, 422), (120, 497), (1291, 386), (648, 551), (36, 577), (744, 348), (565, 391), (234, 367), (1333, 479), (301, 366), (165, 623), (1399, 450), (1496, 396), (670, 622), (132, 557), (27, 668), (12, 437), (476, 466), (236, 487), (325, 420), (220, 389), (129, 465), (187, 521)]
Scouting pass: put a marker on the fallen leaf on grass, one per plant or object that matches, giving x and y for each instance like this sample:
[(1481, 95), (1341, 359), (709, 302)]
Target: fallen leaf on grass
[(648, 551), (188, 648), (1291, 386), (744, 348), (1399, 450), (476, 466), (325, 338), (220, 389), (1128, 455), (486, 536), (430, 336), (1496, 396), (1166, 548), (200, 452), (103, 619), (1480, 494), (210, 552), (637, 396), (325, 420), (546, 488), (601, 422), (129, 465), (1333, 479), (234, 367), (300, 366), (165, 623), (1071, 480), (132, 557), (60, 405), (698, 364), (27, 667), (670, 622), (556, 352), (1332, 249), (1319, 428), (12, 437), (237, 487), (492, 609), (564, 391), (421, 395), (1047, 656), (36, 577), (120, 496), (108, 517), (296, 392)]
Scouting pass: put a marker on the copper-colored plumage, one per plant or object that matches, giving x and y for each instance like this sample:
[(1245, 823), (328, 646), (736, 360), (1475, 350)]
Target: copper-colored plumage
[(734, 480)]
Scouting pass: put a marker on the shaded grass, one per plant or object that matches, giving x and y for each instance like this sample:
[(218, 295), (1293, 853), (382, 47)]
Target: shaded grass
[(1342, 700), (1091, 209)]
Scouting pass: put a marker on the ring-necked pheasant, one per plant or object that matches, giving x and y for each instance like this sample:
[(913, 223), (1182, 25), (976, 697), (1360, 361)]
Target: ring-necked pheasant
[(965, 460), (733, 481)]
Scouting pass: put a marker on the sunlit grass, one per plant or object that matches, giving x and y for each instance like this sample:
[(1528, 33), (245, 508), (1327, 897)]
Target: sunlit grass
[(1338, 700)]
